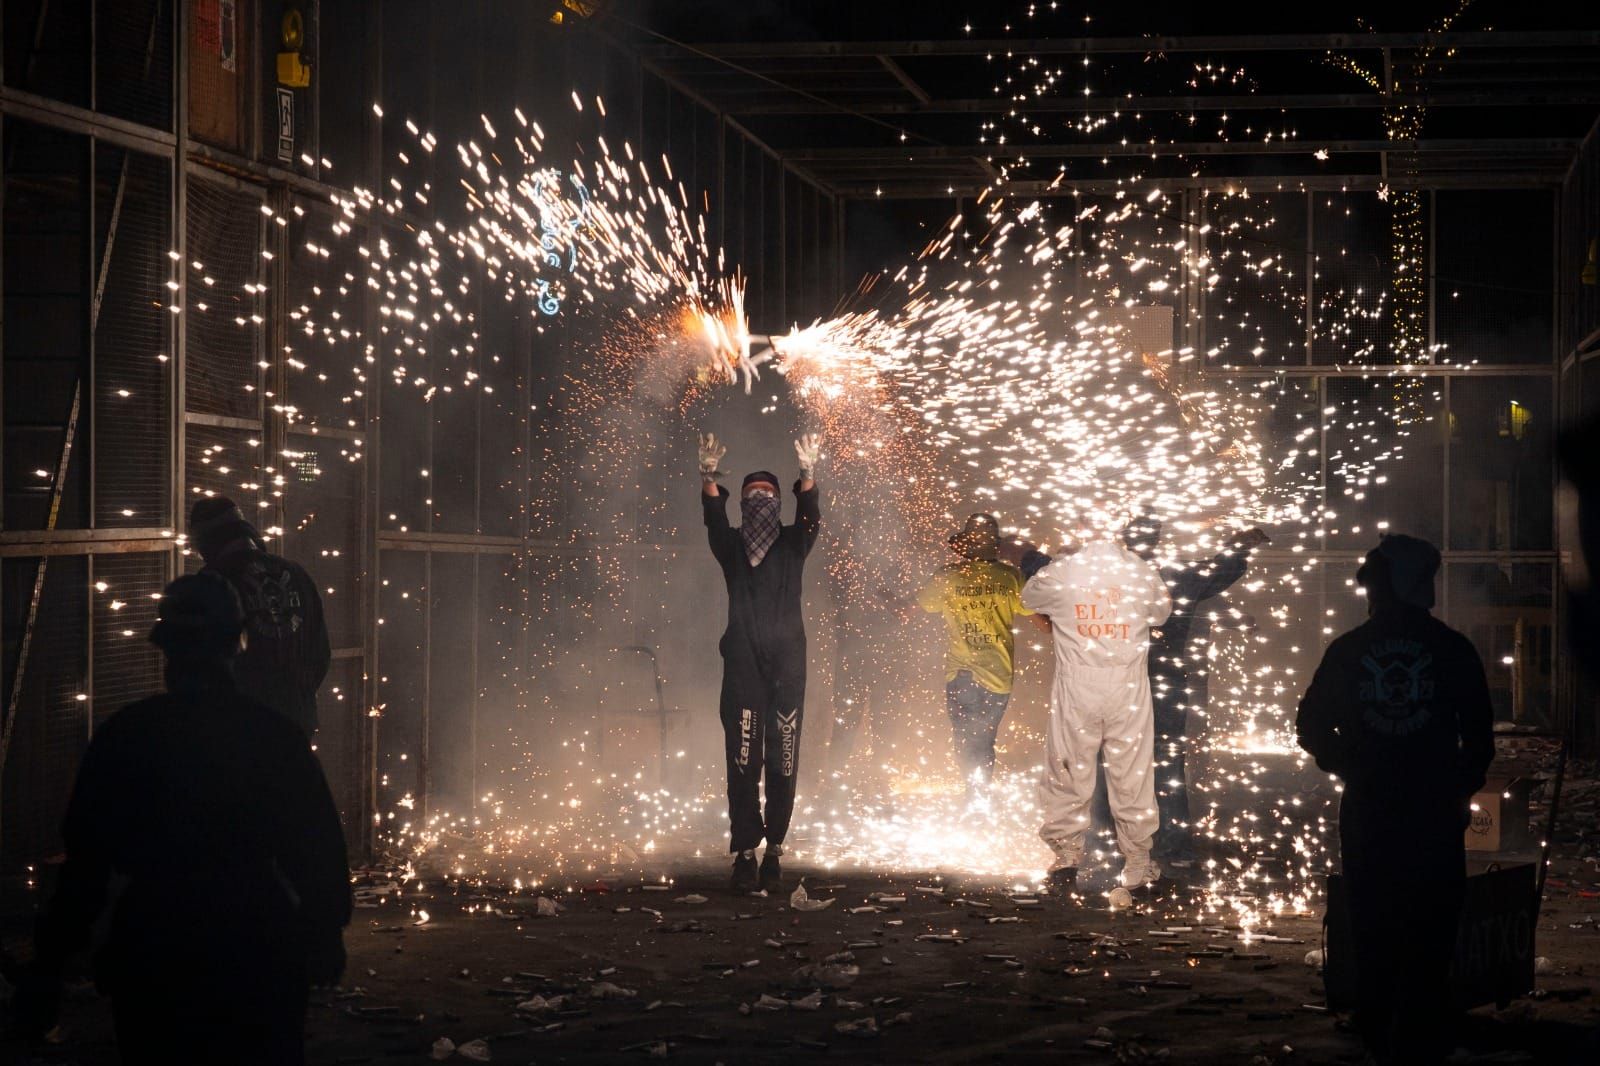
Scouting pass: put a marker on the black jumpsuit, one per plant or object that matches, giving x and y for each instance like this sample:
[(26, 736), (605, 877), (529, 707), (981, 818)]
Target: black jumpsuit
[(1178, 671), (1400, 710), (763, 668)]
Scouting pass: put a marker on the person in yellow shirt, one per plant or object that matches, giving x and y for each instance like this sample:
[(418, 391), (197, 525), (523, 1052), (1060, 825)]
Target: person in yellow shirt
[(978, 597)]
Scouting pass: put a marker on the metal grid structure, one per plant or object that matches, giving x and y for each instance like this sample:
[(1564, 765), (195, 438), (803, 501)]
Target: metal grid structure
[(412, 522)]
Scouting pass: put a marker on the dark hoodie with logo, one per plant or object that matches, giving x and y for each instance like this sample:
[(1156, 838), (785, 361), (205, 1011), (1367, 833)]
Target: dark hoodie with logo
[(1400, 710), (287, 652)]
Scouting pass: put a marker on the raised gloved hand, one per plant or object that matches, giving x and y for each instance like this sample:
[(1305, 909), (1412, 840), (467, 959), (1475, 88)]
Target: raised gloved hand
[(1251, 538), (711, 452), (1013, 548), (808, 449)]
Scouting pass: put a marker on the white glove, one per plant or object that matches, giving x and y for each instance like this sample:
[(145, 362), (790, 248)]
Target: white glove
[(711, 452), (808, 449)]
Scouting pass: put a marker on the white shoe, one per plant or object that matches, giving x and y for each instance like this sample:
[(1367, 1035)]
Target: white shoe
[(1137, 875)]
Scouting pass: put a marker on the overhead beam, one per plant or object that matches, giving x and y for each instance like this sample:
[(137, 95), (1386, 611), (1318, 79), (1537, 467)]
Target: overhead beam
[(920, 152), (774, 104), (1250, 42), (922, 189), (904, 79)]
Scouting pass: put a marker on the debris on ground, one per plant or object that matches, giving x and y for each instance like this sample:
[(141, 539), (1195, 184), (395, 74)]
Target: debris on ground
[(801, 900)]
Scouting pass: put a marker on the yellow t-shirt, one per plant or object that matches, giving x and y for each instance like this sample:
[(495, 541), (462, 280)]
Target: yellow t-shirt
[(978, 600)]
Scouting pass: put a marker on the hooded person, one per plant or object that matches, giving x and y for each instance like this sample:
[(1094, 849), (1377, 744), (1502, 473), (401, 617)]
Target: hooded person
[(978, 597), (287, 652), (1400, 710), (763, 652), (1101, 603), (210, 817)]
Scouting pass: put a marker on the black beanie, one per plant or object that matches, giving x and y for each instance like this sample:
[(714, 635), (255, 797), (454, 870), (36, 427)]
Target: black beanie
[(199, 618), (757, 477), (217, 520)]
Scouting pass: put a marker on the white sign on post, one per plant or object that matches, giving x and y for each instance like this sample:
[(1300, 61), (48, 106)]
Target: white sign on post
[(285, 126)]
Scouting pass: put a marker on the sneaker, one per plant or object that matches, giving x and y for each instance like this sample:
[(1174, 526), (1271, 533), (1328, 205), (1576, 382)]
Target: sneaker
[(1143, 876), (771, 871), (1063, 881), (744, 872)]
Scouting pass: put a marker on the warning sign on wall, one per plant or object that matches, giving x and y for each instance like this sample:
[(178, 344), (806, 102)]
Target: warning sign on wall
[(285, 126)]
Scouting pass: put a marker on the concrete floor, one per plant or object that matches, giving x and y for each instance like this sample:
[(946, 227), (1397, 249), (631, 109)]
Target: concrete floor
[(1024, 983)]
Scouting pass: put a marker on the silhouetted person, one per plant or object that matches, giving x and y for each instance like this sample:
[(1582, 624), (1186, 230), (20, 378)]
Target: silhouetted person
[(208, 817), (763, 652), (1400, 710), (1179, 668), (1580, 463), (287, 655)]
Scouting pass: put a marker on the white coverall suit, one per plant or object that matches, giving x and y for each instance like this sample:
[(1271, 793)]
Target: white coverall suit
[(1102, 603)]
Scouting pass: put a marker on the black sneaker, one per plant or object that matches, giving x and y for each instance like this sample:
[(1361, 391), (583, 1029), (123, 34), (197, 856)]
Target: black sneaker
[(744, 872), (771, 871), (1063, 881)]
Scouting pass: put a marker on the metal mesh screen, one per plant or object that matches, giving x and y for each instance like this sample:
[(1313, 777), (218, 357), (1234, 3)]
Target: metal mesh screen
[(402, 659), (1255, 315), (223, 462), (502, 473), (1501, 463), (322, 531), (404, 467), (133, 325), (453, 476), (452, 718), (1580, 247), (133, 60), (1493, 307), (127, 667), (224, 342), (46, 318), (47, 48), (51, 725), (337, 743), (323, 297), (1381, 471), (1507, 610), (1349, 237)]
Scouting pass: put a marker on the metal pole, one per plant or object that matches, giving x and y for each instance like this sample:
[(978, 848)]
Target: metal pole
[(180, 244), (370, 568), (783, 252), (425, 734), (722, 183), (1433, 277), (1311, 275), (1444, 527)]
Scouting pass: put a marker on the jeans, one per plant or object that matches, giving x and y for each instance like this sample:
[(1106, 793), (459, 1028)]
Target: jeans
[(975, 715)]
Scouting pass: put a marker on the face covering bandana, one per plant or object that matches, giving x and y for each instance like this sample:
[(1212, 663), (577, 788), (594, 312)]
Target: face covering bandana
[(760, 526)]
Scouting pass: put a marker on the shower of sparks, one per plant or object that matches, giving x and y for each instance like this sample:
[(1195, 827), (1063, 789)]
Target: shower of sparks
[(1023, 363)]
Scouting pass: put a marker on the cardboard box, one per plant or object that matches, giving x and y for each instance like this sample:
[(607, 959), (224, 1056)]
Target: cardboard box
[(1500, 816)]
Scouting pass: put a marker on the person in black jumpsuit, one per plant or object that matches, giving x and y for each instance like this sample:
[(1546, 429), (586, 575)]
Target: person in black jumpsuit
[(763, 653), (287, 655), (210, 814), (1400, 710), (1178, 669)]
